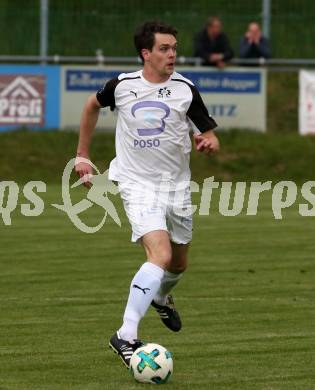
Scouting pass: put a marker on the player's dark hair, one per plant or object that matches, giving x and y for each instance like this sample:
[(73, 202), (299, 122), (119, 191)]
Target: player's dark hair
[(144, 37)]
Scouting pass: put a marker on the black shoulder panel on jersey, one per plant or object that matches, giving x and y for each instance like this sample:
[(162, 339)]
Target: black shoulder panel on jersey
[(106, 95), (197, 110)]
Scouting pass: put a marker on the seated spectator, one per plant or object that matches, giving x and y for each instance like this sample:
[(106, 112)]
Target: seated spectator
[(254, 44), (212, 45)]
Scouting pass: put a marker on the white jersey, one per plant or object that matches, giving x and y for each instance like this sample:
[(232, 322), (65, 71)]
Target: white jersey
[(153, 124)]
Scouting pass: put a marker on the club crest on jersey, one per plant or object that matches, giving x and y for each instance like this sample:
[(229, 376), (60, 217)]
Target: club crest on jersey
[(164, 92)]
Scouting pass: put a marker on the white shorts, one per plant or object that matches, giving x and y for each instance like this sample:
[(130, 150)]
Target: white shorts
[(149, 210)]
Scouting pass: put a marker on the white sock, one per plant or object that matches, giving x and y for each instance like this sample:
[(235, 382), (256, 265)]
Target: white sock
[(143, 289), (168, 282)]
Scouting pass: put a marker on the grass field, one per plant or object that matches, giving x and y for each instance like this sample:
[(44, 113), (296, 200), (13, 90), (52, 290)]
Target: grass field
[(247, 303), (244, 155)]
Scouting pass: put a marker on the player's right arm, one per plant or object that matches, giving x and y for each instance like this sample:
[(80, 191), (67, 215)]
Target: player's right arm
[(87, 125), (103, 98), (88, 122)]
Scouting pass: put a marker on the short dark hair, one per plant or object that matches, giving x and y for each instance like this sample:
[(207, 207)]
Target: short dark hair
[(144, 36)]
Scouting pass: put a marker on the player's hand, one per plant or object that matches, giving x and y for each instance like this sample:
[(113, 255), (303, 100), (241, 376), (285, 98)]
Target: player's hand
[(207, 142), (84, 171)]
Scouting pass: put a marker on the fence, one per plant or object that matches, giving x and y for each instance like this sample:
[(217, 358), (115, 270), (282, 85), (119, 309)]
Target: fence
[(81, 27)]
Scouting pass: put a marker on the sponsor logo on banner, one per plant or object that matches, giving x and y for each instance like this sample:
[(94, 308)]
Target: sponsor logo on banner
[(221, 110), (88, 80), (22, 99), (219, 82), (226, 82)]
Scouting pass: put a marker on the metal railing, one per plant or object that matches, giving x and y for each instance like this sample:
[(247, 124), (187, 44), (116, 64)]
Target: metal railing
[(275, 63)]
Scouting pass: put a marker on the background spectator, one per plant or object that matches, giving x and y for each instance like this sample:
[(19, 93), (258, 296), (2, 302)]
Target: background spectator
[(212, 45), (254, 44)]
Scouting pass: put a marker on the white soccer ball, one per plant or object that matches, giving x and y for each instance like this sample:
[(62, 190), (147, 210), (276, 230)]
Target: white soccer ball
[(151, 363)]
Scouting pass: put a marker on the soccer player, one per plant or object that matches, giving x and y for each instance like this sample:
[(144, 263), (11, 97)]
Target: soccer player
[(156, 109)]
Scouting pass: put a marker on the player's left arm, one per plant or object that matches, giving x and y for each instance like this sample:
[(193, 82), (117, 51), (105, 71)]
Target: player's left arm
[(206, 141)]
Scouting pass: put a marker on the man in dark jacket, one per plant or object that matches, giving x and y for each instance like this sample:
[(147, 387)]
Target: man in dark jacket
[(253, 44), (212, 45)]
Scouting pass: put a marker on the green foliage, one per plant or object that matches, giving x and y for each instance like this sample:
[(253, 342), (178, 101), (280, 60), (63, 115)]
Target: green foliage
[(282, 102), (80, 27), (249, 156), (244, 155), (21, 25)]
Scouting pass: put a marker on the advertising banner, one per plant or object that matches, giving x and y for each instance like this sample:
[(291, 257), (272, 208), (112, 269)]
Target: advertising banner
[(236, 97), (29, 97), (307, 102), (77, 83)]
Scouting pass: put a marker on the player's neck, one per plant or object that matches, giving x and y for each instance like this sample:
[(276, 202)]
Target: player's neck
[(153, 77)]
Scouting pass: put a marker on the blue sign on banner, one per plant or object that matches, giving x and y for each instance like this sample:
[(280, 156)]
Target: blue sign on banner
[(29, 96), (207, 81), (88, 80), (226, 82)]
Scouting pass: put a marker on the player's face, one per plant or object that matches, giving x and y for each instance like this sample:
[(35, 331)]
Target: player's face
[(163, 54)]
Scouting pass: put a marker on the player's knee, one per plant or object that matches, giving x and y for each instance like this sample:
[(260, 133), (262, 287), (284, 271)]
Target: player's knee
[(164, 257)]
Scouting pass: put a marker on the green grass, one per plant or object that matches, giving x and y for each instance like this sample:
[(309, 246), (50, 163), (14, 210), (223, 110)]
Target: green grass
[(244, 155), (282, 102), (247, 299), (247, 302)]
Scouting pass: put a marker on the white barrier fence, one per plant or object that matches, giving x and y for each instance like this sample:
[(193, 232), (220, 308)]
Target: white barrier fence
[(236, 97), (307, 102)]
